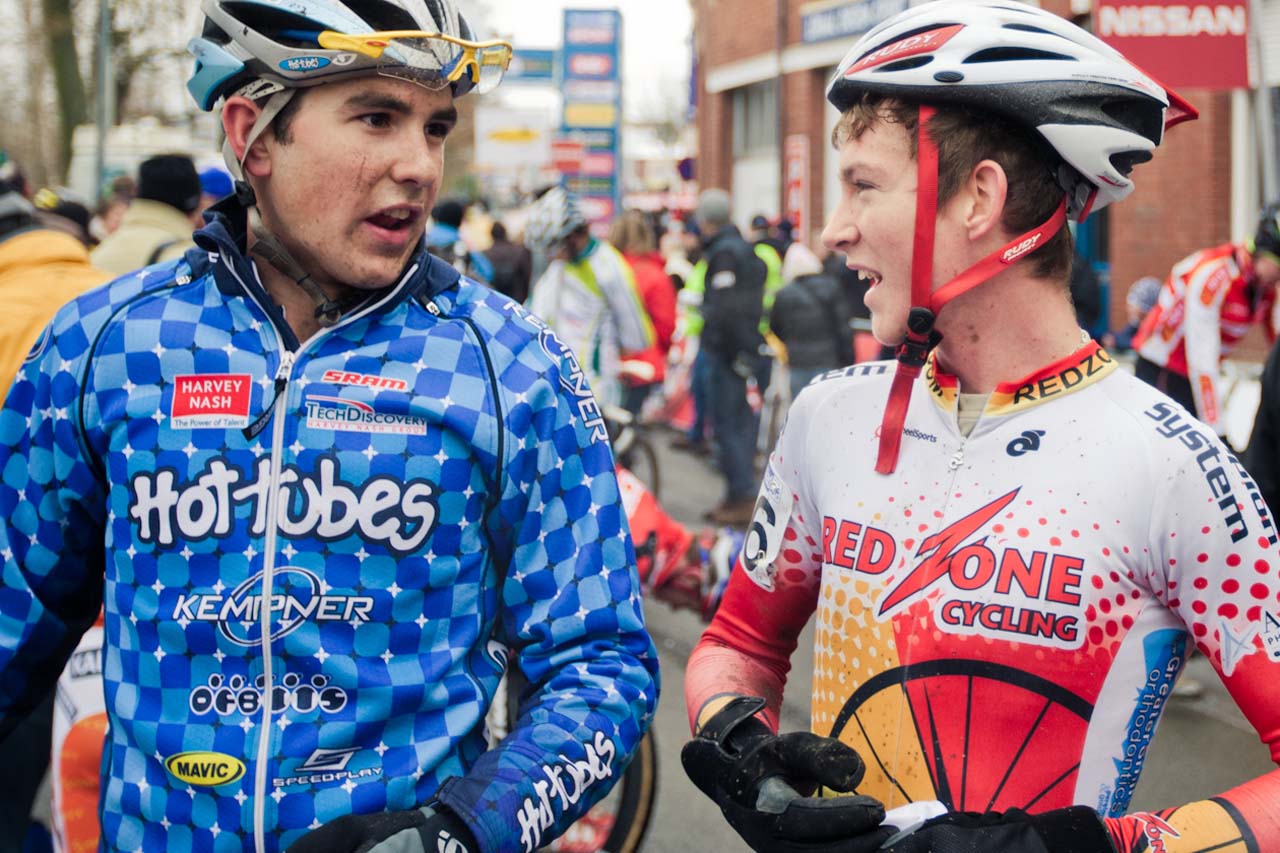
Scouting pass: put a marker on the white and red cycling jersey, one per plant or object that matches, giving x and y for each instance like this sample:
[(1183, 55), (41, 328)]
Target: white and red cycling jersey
[(1000, 622), (1205, 308)]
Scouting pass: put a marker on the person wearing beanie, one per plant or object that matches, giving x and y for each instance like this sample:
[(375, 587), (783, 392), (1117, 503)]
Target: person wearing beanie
[(445, 241), (732, 308), (215, 185), (813, 318), (158, 224)]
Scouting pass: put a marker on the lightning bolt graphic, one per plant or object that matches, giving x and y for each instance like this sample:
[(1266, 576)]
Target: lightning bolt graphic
[(936, 552)]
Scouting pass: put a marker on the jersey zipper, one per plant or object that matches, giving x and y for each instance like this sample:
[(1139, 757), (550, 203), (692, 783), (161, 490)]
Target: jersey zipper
[(268, 567), (284, 373)]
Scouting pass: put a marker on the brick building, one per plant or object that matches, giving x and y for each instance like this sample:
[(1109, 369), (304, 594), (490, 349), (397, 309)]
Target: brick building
[(764, 128)]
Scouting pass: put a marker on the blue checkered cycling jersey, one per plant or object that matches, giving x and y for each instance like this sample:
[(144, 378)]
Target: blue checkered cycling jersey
[(316, 557)]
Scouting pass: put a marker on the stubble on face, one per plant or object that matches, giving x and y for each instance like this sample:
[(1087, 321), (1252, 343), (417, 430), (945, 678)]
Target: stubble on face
[(358, 151)]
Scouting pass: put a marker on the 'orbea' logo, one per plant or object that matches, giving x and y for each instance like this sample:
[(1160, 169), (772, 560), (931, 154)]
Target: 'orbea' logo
[(204, 768)]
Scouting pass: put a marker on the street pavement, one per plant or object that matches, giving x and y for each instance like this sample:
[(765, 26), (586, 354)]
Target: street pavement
[(1203, 746)]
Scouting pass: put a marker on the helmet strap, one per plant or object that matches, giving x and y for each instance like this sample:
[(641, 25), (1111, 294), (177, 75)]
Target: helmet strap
[(921, 336)]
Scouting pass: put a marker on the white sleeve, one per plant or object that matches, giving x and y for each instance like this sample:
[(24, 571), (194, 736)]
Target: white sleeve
[(1206, 291)]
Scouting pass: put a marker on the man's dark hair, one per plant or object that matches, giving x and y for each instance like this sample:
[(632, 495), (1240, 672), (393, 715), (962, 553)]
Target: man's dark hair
[(498, 232), (171, 179), (448, 212)]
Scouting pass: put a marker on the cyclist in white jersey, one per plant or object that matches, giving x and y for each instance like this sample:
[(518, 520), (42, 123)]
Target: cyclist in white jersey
[(1008, 560), (587, 294)]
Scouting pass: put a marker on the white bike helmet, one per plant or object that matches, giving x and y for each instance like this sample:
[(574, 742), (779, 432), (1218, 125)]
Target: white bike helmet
[(1099, 112), (553, 217), (1093, 108), (298, 43)]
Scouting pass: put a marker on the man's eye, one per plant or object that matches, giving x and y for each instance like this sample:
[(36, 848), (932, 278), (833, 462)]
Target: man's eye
[(379, 120), (439, 129)]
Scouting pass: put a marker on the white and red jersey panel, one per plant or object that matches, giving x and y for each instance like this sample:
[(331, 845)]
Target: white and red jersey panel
[(1000, 621), (1205, 308)]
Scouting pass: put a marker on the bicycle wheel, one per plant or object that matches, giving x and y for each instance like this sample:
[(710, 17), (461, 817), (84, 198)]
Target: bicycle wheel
[(618, 822), (641, 459), (1021, 767)]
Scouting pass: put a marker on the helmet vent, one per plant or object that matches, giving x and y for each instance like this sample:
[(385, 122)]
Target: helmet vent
[(382, 15), (1124, 161), (1138, 116), (1029, 28), (1014, 54), (276, 24), (906, 64)]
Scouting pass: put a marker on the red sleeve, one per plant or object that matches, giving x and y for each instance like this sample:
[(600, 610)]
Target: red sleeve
[(659, 295), (747, 649)]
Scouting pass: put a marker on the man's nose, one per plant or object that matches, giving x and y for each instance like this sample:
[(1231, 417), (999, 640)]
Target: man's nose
[(839, 232), (418, 163)]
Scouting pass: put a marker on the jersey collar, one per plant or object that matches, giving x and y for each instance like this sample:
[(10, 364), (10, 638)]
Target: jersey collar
[(1081, 369)]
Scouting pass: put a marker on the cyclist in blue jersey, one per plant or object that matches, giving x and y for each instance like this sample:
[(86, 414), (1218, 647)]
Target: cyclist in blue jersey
[(324, 488)]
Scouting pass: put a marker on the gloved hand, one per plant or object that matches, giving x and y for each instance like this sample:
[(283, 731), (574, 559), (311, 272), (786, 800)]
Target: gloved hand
[(430, 829), (761, 780), (1076, 829)]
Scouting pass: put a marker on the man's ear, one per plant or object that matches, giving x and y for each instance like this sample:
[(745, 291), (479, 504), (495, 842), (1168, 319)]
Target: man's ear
[(985, 195), (238, 117)]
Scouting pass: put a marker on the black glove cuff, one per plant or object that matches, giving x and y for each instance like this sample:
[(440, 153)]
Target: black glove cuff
[(734, 726), (444, 826), (1076, 829)]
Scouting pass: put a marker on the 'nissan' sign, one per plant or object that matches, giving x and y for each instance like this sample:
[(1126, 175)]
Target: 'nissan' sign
[(1202, 46)]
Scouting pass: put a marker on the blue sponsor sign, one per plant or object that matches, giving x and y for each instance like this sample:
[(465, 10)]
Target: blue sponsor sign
[(532, 66), (590, 65), (824, 21)]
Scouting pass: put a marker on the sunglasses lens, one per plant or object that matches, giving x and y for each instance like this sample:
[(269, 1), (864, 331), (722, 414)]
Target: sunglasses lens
[(425, 61), (492, 62)]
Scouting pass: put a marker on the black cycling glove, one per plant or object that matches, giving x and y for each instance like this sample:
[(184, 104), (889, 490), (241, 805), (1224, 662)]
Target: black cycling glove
[(1076, 829), (760, 781), (431, 829)]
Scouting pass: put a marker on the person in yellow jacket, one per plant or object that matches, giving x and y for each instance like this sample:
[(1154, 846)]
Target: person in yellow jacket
[(41, 267)]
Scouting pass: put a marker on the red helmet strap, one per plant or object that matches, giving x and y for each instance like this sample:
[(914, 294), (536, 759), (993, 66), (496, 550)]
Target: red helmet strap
[(921, 337)]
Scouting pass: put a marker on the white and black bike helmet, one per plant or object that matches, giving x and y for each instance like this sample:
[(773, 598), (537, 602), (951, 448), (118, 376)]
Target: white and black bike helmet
[(552, 218), (266, 50), (1099, 112), (1092, 108)]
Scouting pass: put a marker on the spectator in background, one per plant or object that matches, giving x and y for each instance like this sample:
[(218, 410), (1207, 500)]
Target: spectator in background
[(444, 240), (1138, 302), (215, 185), (854, 287), (61, 210), (512, 265), (731, 338), (1204, 309), (1262, 458), (41, 267), (632, 235), (158, 224), (813, 318), (1086, 294)]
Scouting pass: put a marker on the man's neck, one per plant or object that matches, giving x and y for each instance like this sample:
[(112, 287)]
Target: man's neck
[(1005, 329), (297, 305)]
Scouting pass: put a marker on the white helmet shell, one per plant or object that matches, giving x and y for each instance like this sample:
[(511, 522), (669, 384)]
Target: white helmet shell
[(553, 217), (1099, 112)]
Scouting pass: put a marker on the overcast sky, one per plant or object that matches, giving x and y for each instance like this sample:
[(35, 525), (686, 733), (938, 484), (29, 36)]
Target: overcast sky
[(656, 50)]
